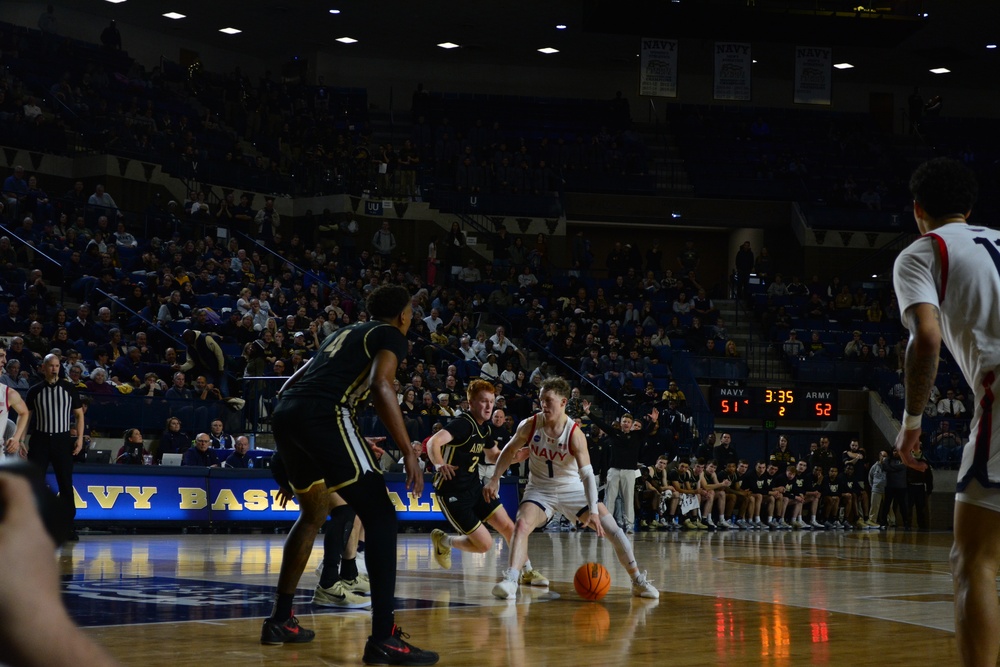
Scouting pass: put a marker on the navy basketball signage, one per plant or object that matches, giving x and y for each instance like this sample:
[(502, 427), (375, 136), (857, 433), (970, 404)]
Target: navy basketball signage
[(373, 208), (133, 493)]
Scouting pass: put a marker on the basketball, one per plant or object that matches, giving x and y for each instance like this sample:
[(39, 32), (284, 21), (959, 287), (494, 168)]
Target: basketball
[(592, 581)]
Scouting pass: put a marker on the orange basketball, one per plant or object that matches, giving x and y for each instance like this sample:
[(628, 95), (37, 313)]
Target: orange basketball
[(592, 581)]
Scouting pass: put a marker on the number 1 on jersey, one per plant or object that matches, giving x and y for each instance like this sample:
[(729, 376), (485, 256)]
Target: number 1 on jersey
[(548, 462), (990, 248)]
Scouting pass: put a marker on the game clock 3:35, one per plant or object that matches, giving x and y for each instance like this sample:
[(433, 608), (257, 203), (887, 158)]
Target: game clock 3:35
[(774, 403)]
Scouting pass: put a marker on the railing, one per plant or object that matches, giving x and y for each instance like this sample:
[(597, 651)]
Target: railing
[(331, 286), (152, 325), (697, 407), (30, 247)]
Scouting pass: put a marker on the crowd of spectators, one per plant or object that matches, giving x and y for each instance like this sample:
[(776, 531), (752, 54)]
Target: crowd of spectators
[(189, 320), (819, 325)]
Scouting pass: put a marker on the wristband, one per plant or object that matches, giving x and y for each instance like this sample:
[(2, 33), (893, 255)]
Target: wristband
[(911, 422)]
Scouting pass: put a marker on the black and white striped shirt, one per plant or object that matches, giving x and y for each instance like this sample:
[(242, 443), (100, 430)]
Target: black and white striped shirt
[(52, 406)]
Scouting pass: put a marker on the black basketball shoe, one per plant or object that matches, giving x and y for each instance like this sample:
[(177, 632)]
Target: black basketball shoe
[(289, 632), (395, 651)]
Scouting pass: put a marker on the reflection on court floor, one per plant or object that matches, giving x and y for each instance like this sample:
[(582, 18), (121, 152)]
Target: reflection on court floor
[(765, 598)]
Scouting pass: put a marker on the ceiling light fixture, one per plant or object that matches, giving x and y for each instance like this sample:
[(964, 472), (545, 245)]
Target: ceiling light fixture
[(231, 31), (347, 40), (334, 11), (115, 2), (448, 45), (991, 46), (843, 66), (548, 50), (940, 70), (174, 15), (560, 26)]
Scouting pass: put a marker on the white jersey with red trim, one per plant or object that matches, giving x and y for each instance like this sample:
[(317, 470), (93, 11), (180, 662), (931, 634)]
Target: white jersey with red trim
[(956, 268), (551, 463), (4, 418)]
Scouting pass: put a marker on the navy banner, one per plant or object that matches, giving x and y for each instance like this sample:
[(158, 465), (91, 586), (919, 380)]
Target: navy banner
[(127, 493)]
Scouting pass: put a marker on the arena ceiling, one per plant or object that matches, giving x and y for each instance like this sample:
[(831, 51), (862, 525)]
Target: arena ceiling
[(897, 47)]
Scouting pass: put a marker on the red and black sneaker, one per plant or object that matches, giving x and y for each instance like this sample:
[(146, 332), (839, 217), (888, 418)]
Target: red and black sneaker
[(395, 651), (289, 632)]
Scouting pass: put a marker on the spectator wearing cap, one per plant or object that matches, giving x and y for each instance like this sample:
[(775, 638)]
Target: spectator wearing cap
[(205, 357), (489, 370), (793, 347)]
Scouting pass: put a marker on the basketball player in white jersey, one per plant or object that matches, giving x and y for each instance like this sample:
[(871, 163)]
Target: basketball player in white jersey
[(562, 480), (948, 286), (13, 447)]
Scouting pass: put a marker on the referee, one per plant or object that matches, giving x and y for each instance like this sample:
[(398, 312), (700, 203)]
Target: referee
[(54, 403)]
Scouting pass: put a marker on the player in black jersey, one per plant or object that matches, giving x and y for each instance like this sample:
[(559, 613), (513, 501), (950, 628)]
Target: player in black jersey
[(456, 452), (805, 486), (317, 436)]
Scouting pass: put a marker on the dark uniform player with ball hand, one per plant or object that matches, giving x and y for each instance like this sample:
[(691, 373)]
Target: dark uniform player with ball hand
[(317, 436)]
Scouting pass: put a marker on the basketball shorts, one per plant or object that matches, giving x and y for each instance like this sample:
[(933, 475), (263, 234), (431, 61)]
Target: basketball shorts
[(570, 501), (320, 443), (975, 494), (465, 506)]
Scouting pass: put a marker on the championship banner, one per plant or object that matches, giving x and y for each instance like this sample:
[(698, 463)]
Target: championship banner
[(658, 67), (161, 494), (813, 75), (732, 71), (374, 208)]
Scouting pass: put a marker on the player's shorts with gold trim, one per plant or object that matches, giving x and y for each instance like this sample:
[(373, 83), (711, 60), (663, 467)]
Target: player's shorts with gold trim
[(465, 507), (320, 443)]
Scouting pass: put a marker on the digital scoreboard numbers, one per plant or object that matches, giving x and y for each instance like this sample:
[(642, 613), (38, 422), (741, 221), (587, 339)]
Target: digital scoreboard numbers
[(771, 403)]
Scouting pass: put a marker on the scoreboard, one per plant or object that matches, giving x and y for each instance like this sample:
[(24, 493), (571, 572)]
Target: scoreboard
[(772, 403)]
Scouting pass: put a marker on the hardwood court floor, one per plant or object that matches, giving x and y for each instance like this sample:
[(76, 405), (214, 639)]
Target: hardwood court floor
[(777, 599)]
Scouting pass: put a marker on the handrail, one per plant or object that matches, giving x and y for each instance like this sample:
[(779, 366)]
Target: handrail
[(35, 249), (65, 106), (332, 286), (118, 302), (577, 374)]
